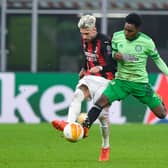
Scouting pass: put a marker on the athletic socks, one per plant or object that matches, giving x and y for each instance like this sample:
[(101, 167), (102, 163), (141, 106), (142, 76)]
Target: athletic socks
[(75, 106), (92, 116)]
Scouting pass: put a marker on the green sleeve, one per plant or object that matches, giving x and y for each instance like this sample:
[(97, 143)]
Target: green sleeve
[(161, 65), (151, 50), (153, 53), (114, 45)]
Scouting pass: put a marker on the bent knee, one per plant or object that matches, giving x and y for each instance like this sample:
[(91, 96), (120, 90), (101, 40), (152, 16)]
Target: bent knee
[(162, 115), (160, 112), (102, 102), (78, 95)]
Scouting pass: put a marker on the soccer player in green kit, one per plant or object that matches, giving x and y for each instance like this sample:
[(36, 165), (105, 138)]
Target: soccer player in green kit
[(131, 48)]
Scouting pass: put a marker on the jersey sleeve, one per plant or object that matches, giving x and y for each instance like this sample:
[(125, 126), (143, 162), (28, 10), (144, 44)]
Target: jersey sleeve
[(107, 52), (161, 65), (152, 50), (153, 53), (83, 57), (114, 45)]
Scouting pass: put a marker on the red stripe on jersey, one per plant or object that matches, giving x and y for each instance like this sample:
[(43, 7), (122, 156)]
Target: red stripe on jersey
[(90, 62), (101, 58), (102, 61), (110, 75)]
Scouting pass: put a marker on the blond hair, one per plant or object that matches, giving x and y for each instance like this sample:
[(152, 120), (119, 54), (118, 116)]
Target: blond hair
[(87, 21)]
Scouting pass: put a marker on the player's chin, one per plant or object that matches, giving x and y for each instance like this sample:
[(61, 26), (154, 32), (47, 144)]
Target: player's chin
[(129, 37)]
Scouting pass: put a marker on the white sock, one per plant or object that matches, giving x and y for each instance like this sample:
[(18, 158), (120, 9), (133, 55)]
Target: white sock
[(75, 106), (105, 132), (166, 117), (105, 137)]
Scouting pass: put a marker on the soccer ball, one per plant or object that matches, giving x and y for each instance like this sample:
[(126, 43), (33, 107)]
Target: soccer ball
[(73, 132), (81, 117)]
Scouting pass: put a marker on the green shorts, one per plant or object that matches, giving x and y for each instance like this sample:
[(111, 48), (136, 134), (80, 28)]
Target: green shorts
[(119, 89)]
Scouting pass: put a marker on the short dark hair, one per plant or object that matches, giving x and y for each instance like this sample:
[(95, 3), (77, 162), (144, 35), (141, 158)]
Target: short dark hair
[(134, 19)]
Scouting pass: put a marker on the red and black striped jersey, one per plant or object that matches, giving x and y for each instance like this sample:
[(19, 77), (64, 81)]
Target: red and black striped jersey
[(98, 53)]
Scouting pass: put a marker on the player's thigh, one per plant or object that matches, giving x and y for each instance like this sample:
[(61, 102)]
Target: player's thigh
[(93, 83), (151, 100), (115, 91)]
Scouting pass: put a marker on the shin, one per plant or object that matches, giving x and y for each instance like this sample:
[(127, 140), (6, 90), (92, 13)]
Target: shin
[(105, 129), (75, 106)]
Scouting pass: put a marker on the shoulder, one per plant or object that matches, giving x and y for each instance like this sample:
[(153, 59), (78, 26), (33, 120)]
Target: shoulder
[(147, 40), (104, 38), (118, 35), (145, 37)]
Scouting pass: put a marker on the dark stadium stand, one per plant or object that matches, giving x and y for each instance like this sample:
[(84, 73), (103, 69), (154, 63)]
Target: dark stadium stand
[(86, 4)]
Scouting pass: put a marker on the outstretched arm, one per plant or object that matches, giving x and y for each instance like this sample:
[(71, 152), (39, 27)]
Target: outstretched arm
[(161, 65)]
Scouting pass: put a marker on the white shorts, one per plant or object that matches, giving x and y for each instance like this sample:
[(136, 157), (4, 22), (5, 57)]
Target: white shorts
[(96, 86)]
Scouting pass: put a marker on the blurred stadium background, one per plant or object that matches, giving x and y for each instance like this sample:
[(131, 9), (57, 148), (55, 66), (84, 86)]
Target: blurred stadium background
[(40, 55)]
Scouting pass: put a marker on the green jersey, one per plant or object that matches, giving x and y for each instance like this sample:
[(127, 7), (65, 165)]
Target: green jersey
[(135, 54)]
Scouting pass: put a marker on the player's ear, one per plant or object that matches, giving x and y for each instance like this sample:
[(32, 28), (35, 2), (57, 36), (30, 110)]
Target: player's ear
[(94, 29)]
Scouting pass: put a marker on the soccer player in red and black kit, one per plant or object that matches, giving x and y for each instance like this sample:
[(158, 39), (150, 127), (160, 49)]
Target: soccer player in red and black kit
[(98, 69), (97, 52)]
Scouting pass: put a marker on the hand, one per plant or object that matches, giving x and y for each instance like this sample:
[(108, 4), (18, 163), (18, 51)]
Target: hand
[(118, 57), (82, 73), (95, 69)]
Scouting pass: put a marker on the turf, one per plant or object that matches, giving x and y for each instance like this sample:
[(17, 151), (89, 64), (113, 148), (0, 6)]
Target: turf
[(40, 146)]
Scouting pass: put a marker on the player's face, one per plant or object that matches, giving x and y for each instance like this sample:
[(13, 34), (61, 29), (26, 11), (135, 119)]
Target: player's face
[(130, 31), (87, 34)]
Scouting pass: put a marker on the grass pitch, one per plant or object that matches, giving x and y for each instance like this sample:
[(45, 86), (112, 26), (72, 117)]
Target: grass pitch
[(40, 146)]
